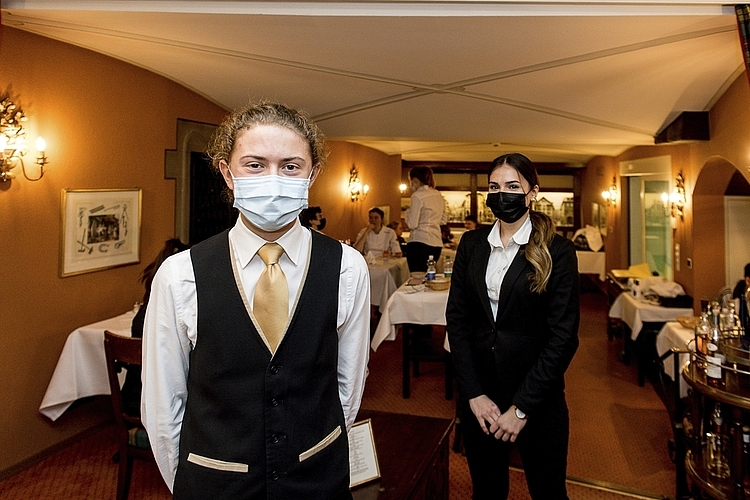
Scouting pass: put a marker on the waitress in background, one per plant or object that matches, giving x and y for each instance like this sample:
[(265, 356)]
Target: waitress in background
[(424, 218), (512, 322), (131, 389)]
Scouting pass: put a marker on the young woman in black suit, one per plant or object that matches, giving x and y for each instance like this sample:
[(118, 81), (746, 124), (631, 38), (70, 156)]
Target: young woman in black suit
[(512, 322)]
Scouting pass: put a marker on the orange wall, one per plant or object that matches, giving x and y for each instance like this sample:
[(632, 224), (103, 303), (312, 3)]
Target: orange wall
[(381, 172), (729, 148), (107, 125)]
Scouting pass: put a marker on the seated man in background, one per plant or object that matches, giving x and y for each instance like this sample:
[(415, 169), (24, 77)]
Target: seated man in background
[(377, 238), (312, 217), (447, 236), (470, 222)]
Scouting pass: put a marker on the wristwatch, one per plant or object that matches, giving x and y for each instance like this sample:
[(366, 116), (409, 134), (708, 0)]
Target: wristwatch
[(520, 415)]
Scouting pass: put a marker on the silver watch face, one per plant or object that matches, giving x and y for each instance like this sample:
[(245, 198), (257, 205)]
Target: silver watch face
[(520, 414)]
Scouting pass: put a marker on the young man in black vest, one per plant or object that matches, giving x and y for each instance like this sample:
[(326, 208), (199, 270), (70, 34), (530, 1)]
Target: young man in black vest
[(256, 341)]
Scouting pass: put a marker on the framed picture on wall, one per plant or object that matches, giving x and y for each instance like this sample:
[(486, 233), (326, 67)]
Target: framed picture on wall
[(100, 229)]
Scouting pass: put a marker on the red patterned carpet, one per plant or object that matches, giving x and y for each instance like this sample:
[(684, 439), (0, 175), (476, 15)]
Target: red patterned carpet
[(618, 447)]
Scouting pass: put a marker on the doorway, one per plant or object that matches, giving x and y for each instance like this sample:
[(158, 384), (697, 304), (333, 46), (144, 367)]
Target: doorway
[(720, 211), (649, 227)]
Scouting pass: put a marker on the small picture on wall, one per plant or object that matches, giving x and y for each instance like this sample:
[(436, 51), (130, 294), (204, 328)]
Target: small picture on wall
[(100, 229)]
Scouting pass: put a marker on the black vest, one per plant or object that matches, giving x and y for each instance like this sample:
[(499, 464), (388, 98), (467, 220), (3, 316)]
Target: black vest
[(246, 408)]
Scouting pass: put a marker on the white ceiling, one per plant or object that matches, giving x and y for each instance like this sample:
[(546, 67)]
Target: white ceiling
[(431, 80)]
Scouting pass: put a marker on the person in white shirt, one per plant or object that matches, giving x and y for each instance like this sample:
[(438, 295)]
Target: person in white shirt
[(424, 218), (376, 237), (234, 410)]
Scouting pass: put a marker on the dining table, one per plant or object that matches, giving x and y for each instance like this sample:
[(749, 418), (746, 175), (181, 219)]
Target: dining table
[(386, 275), (674, 335), (416, 305), (592, 263), (81, 370), (635, 312), (642, 316)]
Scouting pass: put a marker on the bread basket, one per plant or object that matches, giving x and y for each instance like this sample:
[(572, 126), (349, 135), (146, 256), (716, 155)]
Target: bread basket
[(439, 284)]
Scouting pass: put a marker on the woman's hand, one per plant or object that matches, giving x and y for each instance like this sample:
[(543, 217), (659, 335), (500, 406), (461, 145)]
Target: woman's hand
[(485, 411), (507, 426)]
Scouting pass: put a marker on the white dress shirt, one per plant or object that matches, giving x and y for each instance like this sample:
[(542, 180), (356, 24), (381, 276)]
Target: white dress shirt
[(501, 258), (377, 242), (425, 216), (170, 331)]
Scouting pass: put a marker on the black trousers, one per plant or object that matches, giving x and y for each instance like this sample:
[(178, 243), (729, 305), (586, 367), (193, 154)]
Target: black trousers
[(418, 254), (543, 446)]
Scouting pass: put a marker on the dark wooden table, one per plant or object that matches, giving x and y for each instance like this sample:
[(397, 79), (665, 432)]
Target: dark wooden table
[(413, 456)]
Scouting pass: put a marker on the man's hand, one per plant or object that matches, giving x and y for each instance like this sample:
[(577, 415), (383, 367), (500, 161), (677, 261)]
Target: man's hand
[(507, 426), (485, 411)]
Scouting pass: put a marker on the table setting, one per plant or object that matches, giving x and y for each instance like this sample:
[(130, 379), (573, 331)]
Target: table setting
[(81, 370)]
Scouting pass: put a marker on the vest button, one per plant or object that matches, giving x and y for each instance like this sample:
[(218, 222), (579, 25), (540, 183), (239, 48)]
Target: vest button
[(275, 369), (274, 438), (274, 402), (274, 475)]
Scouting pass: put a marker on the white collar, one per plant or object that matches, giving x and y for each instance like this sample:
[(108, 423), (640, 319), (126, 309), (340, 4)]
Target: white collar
[(247, 243), (521, 237)]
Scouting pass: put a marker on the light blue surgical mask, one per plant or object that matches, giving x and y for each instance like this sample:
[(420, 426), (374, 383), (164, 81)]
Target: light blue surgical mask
[(270, 202)]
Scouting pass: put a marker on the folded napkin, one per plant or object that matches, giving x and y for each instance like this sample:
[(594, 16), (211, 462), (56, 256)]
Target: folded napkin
[(370, 258), (666, 288)]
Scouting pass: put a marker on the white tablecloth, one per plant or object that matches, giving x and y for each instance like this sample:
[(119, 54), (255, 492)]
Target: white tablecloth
[(635, 312), (385, 278), (592, 263), (426, 307), (673, 334), (81, 370)]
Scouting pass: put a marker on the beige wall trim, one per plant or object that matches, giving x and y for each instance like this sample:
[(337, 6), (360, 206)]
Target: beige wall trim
[(191, 137)]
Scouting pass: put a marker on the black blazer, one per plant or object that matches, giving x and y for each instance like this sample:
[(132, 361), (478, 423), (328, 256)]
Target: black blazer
[(521, 356)]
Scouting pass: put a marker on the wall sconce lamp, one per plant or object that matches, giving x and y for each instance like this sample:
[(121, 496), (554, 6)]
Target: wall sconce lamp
[(13, 142), (610, 195), (357, 190), (674, 202), (402, 188)]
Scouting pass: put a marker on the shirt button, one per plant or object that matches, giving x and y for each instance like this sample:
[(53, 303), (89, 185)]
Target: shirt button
[(274, 475)]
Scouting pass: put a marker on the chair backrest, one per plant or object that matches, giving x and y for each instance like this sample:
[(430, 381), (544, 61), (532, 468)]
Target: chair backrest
[(121, 352)]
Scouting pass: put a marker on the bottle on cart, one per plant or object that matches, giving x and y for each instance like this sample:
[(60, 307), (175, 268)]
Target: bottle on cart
[(731, 323), (715, 374), (717, 462), (715, 313), (448, 267), (746, 461), (702, 335), (431, 271)]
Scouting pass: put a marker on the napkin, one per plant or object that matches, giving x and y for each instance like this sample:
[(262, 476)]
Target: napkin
[(370, 258)]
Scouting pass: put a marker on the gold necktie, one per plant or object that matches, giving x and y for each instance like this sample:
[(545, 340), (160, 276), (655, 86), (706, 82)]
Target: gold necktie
[(271, 299)]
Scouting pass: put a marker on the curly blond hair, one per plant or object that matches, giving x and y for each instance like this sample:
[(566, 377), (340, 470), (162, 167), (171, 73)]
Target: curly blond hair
[(265, 113)]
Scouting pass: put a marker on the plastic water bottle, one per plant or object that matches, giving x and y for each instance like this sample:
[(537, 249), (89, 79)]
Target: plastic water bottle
[(431, 271), (448, 267)]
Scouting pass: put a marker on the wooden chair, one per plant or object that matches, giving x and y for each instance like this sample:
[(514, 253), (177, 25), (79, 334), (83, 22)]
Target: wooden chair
[(421, 344), (122, 352)]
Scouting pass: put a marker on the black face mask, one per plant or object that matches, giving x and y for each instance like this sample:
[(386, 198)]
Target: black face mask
[(322, 224), (508, 207)]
